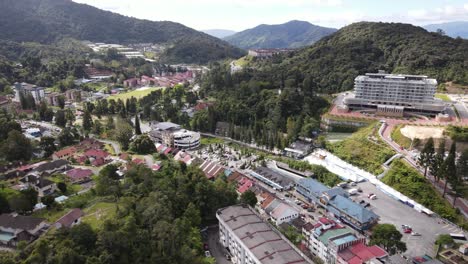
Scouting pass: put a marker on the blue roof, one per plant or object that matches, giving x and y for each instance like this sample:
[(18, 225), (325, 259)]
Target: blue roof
[(336, 191), (344, 240), (313, 186), (353, 209)]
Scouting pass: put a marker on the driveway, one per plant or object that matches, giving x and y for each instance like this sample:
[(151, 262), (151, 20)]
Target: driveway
[(216, 249)]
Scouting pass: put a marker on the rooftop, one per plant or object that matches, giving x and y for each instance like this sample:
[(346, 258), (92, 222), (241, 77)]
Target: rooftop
[(265, 243), (353, 209), (70, 217), (20, 221), (166, 126), (331, 233)]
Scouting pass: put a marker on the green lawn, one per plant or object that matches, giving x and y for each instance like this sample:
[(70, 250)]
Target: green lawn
[(96, 214), (211, 140), (51, 215), (443, 97), (244, 61), (364, 149), (135, 93), (399, 138), (336, 136), (110, 149)]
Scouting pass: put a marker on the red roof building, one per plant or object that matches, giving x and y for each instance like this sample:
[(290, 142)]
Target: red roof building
[(70, 219), (244, 184), (211, 169), (98, 162), (64, 153), (79, 175), (96, 153), (360, 253)]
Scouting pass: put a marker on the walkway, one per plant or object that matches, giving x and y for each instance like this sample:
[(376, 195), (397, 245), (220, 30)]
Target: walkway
[(385, 133)]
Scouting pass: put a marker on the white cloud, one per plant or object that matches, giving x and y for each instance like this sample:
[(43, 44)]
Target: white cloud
[(441, 14)]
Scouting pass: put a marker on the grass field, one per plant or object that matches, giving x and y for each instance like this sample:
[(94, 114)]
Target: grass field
[(98, 213), (363, 149), (336, 136), (244, 61), (211, 140), (135, 93), (399, 138), (51, 215), (443, 97)]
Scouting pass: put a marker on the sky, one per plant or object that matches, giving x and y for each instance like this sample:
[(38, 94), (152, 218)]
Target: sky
[(243, 14)]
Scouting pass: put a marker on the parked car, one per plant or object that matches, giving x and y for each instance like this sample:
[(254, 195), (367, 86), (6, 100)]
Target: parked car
[(205, 246), (415, 234), (408, 231), (207, 254), (373, 197)]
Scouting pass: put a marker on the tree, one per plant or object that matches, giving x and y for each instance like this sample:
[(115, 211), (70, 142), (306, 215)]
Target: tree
[(143, 145), (62, 187), (45, 113), (457, 183), (110, 123), (450, 167), (387, 237), (436, 166), (444, 239), (123, 134), (137, 125), (61, 101), (87, 121), (16, 147), (48, 145), (427, 155), (97, 127), (249, 197), (48, 201), (68, 136), (60, 118)]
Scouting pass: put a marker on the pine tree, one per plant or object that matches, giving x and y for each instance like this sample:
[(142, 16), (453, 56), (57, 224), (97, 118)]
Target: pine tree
[(436, 166), (427, 155), (87, 121), (458, 184), (450, 167), (137, 125)]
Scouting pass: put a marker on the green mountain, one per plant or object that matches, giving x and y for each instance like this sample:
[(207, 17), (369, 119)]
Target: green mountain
[(331, 64), (452, 29), (47, 21), (219, 33), (293, 34)]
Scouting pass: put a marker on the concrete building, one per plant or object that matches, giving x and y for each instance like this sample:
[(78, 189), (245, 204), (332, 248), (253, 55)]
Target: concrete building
[(172, 135), (37, 93), (395, 94), (336, 201), (251, 240), (15, 228)]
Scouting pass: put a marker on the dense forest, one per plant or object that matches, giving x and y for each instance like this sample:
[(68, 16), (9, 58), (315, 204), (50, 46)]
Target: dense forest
[(48, 21), (333, 62), (258, 110), (158, 220), (293, 34)]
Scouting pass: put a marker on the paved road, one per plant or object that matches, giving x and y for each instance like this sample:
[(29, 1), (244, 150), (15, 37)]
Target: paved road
[(114, 144), (216, 249), (385, 134), (394, 212)]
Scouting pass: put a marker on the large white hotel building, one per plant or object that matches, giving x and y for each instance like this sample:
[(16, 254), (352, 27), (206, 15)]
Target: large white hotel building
[(393, 94)]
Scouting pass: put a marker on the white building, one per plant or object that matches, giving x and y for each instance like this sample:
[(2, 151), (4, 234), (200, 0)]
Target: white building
[(251, 240), (37, 93), (172, 135), (280, 212), (393, 94)]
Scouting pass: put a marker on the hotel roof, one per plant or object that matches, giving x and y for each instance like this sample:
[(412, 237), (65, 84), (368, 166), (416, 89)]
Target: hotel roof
[(260, 238)]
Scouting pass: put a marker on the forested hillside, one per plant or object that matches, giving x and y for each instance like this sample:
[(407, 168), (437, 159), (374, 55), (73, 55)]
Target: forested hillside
[(47, 21), (334, 62), (293, 34)]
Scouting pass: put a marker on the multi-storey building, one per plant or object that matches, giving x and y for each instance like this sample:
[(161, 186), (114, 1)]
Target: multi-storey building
[(394, 94), (23, 88), (251, 240), (172, 135)]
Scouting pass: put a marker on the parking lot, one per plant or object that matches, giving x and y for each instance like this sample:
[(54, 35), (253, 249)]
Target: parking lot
[(393, 212)]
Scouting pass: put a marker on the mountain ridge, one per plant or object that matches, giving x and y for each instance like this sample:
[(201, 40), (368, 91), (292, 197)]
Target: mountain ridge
[(292, 34), (47, 21), (453, 29)]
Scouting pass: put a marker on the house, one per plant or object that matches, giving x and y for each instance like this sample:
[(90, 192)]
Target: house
[(98, 74), (39, 183), (244, 184), (96, 154), (146, 80), (89, 143), (65, 153), (15, 228), (360, 253), (211, 169), (132, 82), (98, 162), (79, 175), (184, 157), (281, 212), (235, 176), (70, 219), (52, 167)]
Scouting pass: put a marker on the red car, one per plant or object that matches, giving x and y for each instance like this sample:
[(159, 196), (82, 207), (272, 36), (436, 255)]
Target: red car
[(408, 231)]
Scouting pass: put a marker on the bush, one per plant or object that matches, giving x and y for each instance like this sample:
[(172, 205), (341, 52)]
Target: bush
[(409, 182)]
